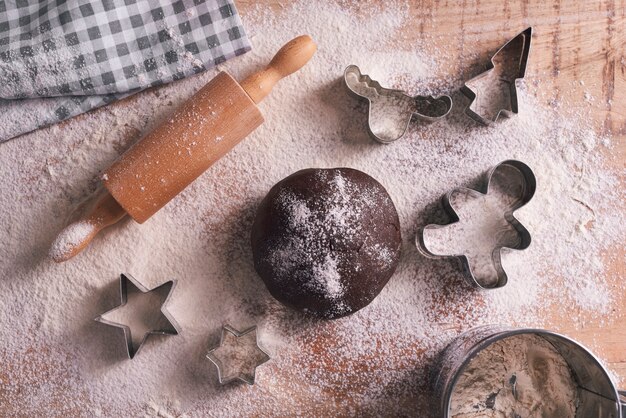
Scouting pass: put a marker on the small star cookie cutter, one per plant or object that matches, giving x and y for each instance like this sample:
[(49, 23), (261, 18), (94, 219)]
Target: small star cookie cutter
[(506, 66), (125, 281), (390, 111), (231, 352), (515, 182)]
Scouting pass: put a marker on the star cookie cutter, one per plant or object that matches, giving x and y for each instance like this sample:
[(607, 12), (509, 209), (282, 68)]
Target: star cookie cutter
[(514, 183), (497, 82), (390, 111), (125, 281), (231, 350)]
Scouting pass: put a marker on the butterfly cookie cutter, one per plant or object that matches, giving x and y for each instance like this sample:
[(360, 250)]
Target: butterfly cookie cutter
[(390, 111), (493, 93), (515, 184)]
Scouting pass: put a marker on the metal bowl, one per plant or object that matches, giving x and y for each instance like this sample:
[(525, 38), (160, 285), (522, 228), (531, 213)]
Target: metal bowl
[(598, 395)]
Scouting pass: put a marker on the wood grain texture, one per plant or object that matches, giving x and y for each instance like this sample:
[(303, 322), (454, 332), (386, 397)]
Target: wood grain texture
[(573, 40)]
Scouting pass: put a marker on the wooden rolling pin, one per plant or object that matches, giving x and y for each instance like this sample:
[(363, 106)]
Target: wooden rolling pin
[(174, 154)]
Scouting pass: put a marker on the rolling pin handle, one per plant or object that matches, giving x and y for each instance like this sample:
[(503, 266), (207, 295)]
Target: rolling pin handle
[(289, 59), (101, 211)]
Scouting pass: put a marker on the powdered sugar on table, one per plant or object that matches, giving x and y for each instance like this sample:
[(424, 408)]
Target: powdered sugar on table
[(56, 360)]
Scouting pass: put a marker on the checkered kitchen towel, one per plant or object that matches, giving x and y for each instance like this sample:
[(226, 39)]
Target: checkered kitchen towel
[(60, 58)]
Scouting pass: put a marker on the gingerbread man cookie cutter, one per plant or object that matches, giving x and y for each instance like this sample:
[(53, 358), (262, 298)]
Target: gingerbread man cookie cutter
[(495, 225)]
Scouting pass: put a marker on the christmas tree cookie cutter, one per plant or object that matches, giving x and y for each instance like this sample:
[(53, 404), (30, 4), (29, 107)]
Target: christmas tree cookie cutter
[(390, 111), (493, 93), (483, 224)]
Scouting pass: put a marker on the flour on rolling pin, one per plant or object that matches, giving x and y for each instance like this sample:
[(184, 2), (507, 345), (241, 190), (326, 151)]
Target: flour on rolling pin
[(89, 218), (174, 154), (70, 237)]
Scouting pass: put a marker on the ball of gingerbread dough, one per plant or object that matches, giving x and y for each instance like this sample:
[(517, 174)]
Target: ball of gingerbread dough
[(326, 241)]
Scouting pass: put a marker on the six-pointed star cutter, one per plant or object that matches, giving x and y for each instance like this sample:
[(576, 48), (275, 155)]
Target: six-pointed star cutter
[(125, 280), (222, 362)]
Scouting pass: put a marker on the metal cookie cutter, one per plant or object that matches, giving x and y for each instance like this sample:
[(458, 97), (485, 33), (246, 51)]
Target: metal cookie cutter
[(170, 327), (238, 355), (493, 92), (598, 394), (483, 224), (390, 111)]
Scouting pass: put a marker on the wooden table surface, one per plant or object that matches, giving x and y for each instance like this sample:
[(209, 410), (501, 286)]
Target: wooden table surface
[(578, 40)]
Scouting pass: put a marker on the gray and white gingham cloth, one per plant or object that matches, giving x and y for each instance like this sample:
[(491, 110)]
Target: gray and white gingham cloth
[(60, 58)]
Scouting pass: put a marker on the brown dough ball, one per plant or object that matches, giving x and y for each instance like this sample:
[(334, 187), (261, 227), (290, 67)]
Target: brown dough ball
[(326, 241)]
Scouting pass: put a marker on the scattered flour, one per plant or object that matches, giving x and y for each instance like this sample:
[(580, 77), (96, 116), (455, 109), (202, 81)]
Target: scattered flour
[(327, 275), (375, 362)]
